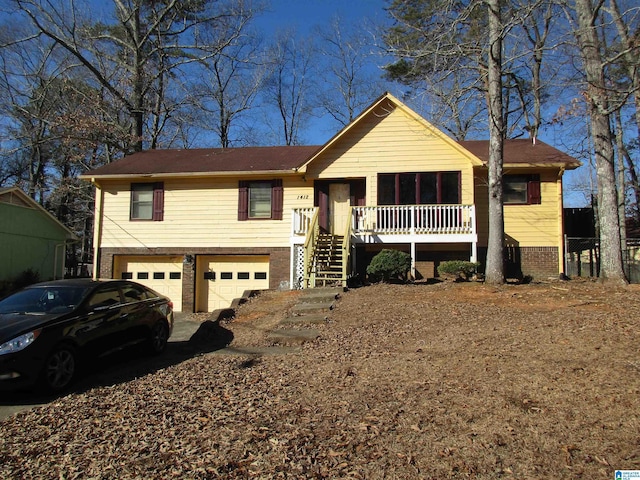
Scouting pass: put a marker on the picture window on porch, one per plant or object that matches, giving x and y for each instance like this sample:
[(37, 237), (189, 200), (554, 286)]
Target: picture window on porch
[(521, 189), (423, 188)]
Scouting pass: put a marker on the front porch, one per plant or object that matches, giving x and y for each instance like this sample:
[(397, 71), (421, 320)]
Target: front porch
[(387, 224)]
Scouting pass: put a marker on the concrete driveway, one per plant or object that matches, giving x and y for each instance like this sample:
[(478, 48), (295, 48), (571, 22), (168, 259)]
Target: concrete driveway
[(189, 339)]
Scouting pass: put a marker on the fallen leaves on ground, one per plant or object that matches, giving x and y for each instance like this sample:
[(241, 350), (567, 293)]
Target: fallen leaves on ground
[(406, 381)]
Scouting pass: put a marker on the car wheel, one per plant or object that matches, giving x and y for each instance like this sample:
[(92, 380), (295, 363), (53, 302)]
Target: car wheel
[(59, 369), (159, 337)]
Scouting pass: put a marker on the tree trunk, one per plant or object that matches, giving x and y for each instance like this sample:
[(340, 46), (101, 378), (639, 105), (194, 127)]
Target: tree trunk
[(611, 268), (622, 203), (495, 249)]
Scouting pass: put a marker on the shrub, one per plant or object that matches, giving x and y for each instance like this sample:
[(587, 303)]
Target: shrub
[(390, 265), (459, 269)]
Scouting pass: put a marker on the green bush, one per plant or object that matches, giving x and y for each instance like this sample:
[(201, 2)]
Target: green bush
[(389, 265), (459, 269)]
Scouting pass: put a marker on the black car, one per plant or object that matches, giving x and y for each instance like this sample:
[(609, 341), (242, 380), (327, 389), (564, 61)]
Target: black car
[(46, 328)]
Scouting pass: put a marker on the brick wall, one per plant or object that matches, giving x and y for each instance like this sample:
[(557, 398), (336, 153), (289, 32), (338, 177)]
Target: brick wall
[(539, 262), (535, 262), (189, 287)]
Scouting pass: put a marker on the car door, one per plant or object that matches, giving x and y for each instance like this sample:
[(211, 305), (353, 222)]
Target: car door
[(99, 328), (138, 312)]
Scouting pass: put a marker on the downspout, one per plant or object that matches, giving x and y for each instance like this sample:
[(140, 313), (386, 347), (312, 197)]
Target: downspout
[(97, 229), (64, 256), (55, 259), (561, 223)]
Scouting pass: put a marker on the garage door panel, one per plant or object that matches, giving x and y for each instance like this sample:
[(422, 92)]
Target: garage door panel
[(162, 274), (225, 278)]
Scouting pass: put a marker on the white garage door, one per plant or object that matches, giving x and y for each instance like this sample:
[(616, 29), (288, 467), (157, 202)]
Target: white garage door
[(162, 274), (221, 279)]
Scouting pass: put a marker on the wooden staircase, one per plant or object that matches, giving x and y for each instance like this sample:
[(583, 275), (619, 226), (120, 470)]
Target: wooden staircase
[(326, 256), (327, 264)]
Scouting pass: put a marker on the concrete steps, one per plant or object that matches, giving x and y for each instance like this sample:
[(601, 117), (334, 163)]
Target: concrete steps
[(312, 309), (310, 319), (293, 336)]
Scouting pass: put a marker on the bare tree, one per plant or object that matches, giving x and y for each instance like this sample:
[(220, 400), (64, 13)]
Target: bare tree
[(287, 87), (630, 46), (348, 81), (232, 78), (537, 28), (133, 55), (587, 19), (495, 248)]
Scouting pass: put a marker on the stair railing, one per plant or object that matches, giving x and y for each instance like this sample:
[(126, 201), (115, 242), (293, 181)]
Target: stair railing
[(346, 249), (309, 251)]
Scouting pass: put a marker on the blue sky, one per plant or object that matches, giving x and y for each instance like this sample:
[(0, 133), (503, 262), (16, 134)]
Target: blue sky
[(304, 14)]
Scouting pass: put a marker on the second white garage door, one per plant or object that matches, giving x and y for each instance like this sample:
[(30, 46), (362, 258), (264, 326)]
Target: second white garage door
[(221, 279)]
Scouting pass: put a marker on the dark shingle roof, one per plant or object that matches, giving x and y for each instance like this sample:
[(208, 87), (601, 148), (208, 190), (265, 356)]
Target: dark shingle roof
[(287, 159), (207, 160), (523, 151)]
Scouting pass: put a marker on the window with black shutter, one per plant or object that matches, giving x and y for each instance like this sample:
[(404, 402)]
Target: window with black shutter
[(260, 200), (521, 189), (147, 201)]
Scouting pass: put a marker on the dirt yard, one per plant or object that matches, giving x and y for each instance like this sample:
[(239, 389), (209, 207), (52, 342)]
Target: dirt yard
[(437, 381)]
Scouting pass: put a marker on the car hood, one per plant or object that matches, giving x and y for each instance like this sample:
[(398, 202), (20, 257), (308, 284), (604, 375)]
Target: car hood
[(14, 324)]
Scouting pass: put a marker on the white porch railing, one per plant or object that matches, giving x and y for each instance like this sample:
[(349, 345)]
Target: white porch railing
[(415, 219), (400, 220), (301, 220)]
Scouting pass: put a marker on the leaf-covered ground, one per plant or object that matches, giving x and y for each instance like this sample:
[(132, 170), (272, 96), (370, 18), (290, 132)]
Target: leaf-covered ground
[(406, 381)]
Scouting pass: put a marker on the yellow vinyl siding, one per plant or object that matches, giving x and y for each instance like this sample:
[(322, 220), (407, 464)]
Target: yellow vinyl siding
[(536, 225), (198, 213), (390, 143)]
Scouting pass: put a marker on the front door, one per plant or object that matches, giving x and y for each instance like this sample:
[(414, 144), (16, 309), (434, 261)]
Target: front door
[(339, 203)]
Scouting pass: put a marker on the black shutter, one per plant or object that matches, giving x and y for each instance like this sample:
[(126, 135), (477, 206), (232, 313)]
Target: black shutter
[(243, 200), (533, 190), (277, 193), (158, 201)]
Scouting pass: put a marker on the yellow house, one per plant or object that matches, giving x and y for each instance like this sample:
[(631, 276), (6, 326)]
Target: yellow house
[(205, 225)]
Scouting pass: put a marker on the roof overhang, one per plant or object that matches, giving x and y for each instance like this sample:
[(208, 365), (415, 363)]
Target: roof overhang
[(27, 199), (160, 175)]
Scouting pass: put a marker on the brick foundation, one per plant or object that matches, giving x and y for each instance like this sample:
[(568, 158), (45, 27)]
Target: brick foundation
[(522, 262), (539, 262)]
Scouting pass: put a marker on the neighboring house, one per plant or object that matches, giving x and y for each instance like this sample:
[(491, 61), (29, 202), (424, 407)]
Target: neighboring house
[(30, 238), (204, 225)]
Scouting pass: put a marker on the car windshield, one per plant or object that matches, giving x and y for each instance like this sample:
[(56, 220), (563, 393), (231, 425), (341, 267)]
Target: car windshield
[(45, 299)]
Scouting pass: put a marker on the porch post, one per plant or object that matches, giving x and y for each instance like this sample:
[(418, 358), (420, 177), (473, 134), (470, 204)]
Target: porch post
[(292, 263), (474, 251), (413, 260)]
